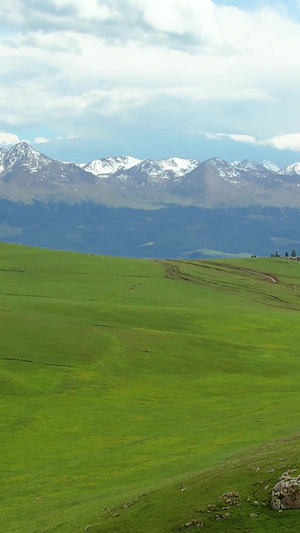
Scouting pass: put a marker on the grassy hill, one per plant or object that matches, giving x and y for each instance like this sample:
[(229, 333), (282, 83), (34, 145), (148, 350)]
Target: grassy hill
[(135, 392)]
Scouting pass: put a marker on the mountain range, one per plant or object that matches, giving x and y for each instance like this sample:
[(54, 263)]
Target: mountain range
[(26, 175), (125, 206)]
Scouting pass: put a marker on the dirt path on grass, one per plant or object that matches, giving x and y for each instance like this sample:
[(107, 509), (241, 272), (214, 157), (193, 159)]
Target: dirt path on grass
[(172, 271), (268, 276)]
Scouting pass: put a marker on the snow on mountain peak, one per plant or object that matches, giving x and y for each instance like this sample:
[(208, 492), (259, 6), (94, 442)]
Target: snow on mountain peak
[(174, 167), (167, 169), (228, 171), (178, 165), (247, 164), (3, 153), (22, 149), (23, 154), (216, 161), (269, 165), (110, 165), (291, 169)]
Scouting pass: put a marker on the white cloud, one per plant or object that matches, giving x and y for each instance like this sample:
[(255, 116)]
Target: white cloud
[(7, 139), (290, 141), (233, 136), (41, 140), (69, 137), (182, 17), (65, 63), (88, 9)]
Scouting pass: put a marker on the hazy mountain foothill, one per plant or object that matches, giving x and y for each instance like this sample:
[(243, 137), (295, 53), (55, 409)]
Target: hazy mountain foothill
[(144, 208)]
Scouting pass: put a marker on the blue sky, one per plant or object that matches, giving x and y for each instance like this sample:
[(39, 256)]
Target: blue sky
[(84, 79)]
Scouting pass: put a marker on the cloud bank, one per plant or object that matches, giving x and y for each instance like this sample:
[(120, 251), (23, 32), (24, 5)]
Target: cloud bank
[(7, 139), (290, 141), (85, 68)]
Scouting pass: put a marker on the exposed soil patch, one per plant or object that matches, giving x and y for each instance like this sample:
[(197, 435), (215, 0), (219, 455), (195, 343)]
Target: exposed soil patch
[(268, 276), (173, 271), (272, 278)]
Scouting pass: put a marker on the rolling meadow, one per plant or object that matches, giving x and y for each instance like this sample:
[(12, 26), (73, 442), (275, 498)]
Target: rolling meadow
[(135, 392)]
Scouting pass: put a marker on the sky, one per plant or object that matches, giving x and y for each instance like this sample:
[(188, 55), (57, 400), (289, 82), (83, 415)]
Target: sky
[(86, 79)]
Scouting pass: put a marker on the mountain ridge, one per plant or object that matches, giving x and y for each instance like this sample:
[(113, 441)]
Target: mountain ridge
[(26, 175)]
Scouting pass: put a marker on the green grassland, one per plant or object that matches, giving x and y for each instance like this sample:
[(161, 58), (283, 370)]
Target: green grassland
[(135, 392)]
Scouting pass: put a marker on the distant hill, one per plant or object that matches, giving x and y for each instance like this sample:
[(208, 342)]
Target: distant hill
[(173, 231)]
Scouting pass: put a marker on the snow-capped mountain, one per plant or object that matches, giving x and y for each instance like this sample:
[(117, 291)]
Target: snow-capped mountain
[(156, 173), (229, 171), (24, 167), (110, 165), (26, 174), (269, 165), (291, 169), (178, 207), (253, 166), (173, 167), (247, 164), (256, 170), (24, 155)]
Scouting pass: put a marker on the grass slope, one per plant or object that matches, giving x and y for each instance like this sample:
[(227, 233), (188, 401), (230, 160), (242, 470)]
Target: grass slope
[(123, 377)]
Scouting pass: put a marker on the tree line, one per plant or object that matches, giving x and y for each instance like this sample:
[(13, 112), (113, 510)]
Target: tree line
[(293, 254)]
